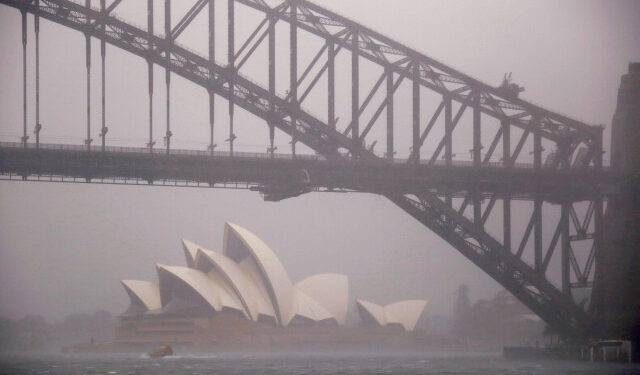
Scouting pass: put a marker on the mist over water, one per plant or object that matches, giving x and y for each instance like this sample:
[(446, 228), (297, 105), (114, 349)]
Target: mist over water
[(300, 363)]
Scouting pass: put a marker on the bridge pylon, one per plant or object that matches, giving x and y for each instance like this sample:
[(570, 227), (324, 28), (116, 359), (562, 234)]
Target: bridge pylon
[(616, 294)]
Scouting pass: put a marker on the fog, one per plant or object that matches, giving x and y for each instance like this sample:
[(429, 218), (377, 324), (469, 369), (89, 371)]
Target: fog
[(64, 247)]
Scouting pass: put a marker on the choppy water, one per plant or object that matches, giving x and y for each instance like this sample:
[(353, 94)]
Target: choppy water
[(336, 363)]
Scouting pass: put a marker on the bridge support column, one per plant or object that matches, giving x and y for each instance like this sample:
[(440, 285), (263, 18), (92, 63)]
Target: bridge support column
[(477, 208), (416, 114), (537, 144), (331, 85), (537, 203), (448, 132), (167, 73), (212, 58), (506, 221), (168, 133), (448, 143), (231, 51), (103, 55), (389, 110), (24, 77), (477, 131), (616, 292), (272, 80), (537, 234), (565, 262), (150, 74), (38, 126), (506, 200), (293, 70), (476, 156), (506, 143), (87, 37), (355, 91)]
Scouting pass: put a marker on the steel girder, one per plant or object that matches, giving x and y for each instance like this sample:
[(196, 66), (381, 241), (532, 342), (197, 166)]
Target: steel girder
[(370, 175), (468, 237), (246, 94), (429, 73)]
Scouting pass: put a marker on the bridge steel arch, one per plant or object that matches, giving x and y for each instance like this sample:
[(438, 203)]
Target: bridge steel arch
[(573, 140)]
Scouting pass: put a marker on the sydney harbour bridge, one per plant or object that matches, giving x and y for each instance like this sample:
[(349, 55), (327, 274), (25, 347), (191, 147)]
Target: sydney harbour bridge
[(518, 151)]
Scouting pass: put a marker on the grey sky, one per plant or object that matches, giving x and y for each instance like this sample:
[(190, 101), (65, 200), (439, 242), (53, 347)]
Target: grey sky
[(63, 248)]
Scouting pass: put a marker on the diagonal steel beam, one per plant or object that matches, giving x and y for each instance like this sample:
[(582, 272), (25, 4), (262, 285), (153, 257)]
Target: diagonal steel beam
[(187, 19), (552, 247), (520, 279), (488, 209), (385, 44), (428, 128), (251, 36), (590, 261), (317, 77), (588, 217), (525, 237), (253, 48), (574, 219), (310, 66), (519, 146), (574, 265), (463, 206), (365, 103), (455, 121), (493, 146), (111, 7), (384, 104)]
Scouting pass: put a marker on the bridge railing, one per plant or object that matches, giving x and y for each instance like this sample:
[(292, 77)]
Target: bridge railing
[(240, 155), (160, 151)]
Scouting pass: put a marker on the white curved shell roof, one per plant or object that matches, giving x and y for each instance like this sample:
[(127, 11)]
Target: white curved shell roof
[(331, 291), (370, 311), (211, 291), (258, 290), (240, 243), (308, 308), (408, 312), (143, 293), (405, 313), (228, 297), (234, 276), (248, 277), (190, 251)]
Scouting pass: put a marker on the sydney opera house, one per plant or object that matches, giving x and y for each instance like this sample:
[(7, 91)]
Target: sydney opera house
[(245, 296)]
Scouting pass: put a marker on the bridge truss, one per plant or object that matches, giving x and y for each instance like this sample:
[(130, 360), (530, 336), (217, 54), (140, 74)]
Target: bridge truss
[(457, 212)]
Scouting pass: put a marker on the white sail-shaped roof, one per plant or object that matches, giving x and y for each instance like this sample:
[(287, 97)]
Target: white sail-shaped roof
[(248, 277), (190, 251), (209, 289), (407, 312), (144, 295), (239, 243), (228, 297), (309, 309), (258, 290), (331, 291), (404, 313), (371, 312), (206, 260)]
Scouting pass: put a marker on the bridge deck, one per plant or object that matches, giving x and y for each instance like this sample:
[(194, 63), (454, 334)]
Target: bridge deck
[(127, 165)]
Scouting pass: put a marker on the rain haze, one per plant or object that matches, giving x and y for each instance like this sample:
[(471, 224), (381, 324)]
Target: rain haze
[(64, 247)]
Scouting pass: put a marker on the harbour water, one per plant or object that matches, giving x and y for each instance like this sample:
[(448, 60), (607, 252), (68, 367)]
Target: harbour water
[(298, 363)]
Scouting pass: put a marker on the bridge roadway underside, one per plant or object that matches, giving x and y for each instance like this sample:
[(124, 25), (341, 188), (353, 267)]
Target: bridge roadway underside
[(242, 171)]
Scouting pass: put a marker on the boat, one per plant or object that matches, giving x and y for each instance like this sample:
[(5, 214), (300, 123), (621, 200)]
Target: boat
[(162, 351)]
